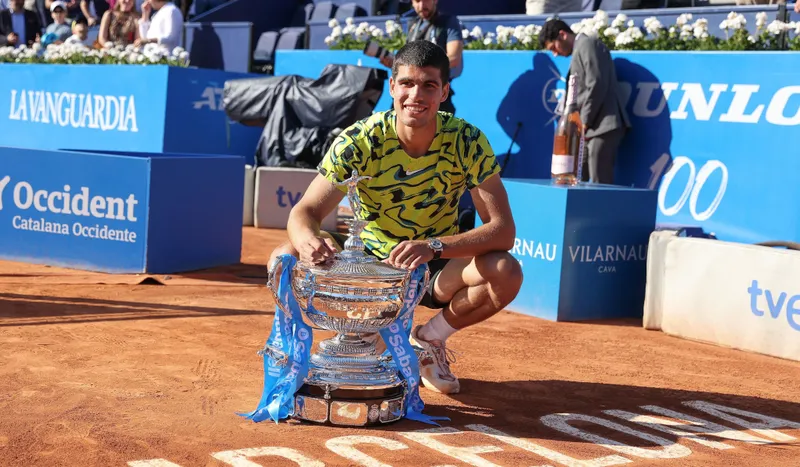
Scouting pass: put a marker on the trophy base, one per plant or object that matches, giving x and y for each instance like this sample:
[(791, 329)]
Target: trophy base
[(349, 407)]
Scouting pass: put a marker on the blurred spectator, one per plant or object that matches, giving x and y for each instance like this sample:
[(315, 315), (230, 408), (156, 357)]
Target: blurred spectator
[(545, 7), (768, 2), (19, 26), (443, 30), (80, 33), (120, 25), (93, 10), (166, 26), (73, 7), (59, 27)]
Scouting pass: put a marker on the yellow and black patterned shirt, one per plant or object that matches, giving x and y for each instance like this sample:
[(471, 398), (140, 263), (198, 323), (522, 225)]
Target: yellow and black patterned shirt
[(409, 198)]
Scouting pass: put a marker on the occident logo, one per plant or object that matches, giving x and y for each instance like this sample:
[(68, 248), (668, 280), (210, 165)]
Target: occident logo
[(79, 203)]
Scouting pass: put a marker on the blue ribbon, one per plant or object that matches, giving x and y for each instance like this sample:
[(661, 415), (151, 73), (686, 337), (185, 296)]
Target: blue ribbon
[(287, 351), (403, 356), (286, 370)]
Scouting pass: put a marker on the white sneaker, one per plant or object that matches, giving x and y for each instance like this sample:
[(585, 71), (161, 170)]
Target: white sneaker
[(434, 364)]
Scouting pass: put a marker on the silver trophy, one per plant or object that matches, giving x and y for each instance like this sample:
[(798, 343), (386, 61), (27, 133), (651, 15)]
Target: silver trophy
[(355, 295)]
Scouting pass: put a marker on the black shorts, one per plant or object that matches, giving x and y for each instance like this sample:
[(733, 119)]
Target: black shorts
[(435, 267)]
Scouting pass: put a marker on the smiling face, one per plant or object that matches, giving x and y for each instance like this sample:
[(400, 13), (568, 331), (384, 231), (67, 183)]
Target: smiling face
[(417, 93)]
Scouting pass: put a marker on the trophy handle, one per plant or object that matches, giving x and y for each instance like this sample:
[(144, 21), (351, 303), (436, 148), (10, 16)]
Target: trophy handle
[(276, 355)]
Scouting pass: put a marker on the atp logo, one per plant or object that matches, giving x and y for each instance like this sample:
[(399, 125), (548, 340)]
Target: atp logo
[(551, 94), (3, 183)]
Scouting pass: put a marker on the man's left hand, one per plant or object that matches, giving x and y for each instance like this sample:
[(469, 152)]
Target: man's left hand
[(410, 254)]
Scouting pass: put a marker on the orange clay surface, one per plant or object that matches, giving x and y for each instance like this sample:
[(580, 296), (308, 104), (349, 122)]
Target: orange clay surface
[(101, 370)]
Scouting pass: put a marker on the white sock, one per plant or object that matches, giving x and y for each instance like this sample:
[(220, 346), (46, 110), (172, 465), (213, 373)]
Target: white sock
[(437, 329)]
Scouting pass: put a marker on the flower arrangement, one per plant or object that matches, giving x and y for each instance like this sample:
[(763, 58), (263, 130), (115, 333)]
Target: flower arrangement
[(352, 37), (71, 54), (621, 33)]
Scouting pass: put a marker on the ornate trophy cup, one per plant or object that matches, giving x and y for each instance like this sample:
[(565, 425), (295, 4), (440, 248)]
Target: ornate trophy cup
[(347, 382)]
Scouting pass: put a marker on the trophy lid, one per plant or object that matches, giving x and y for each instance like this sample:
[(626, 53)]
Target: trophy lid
[(357, 268)]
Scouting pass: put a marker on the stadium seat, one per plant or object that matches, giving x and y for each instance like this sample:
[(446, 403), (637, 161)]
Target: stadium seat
[(291, 38), (323, 11), (302, 14), (265, 48), (349, 10)]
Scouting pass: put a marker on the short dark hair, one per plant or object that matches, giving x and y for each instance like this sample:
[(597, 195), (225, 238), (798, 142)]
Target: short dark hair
[(551, 30), (423, 54)]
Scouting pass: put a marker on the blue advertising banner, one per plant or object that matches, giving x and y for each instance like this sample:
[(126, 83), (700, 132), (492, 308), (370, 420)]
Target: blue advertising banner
[(152, 108), (583, 249), (120, 212), (718, 146), (86, 211)]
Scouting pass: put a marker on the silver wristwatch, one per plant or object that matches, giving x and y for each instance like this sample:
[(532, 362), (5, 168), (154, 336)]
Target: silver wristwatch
[(437, 247)]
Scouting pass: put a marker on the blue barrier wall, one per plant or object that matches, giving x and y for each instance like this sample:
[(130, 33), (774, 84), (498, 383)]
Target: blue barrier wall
[(220, 46), (724, 120), (588, 260), (120, 212), (151, 108)]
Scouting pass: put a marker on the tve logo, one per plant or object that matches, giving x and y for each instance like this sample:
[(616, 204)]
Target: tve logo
[(292, 197), (775, 304)]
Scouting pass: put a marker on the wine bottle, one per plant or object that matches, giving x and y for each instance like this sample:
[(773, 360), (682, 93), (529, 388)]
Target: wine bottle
[(566, 165)]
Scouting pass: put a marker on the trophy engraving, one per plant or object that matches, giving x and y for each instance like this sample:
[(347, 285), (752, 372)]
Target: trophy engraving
[(357, 296)]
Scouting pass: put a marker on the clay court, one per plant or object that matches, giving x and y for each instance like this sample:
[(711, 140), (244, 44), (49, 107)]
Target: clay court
[(102, 370)]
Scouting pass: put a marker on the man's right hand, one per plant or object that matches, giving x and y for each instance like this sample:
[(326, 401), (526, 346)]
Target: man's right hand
[(316, 250), (12, 38)]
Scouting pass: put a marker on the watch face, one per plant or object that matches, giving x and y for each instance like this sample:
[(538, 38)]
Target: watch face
[(437, 244)]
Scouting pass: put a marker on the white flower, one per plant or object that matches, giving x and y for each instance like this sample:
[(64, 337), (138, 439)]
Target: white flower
[(619, 21), (476, 32), (761, 20), (777, 27), (752, 39), (683, 19), (333, 23), (734, 21), (393, 28), (601, 17), (611, 32), (349, 21), (653, 25), (465, 34)]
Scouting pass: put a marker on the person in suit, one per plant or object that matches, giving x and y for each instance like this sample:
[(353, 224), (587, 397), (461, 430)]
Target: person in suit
[(605, 121), (19, 26)]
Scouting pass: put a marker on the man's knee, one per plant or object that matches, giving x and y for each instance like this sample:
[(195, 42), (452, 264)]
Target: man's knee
[(501, 270), (285, 248)]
